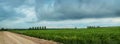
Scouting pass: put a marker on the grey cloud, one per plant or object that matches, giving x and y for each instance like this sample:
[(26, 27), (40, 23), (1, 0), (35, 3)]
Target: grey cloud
[(21, 13), (8, 11), (62, 9), (77, 9)]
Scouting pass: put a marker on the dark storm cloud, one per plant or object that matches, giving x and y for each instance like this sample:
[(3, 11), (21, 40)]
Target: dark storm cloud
[(77, 9), (61, 9)]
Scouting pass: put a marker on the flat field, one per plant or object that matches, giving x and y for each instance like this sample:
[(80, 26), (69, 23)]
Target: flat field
[(105, 35)]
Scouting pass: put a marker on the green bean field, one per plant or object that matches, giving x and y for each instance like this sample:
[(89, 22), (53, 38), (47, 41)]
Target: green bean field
[(105, 35)]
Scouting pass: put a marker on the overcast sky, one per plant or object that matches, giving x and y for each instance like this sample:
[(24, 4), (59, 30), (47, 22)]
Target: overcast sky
[(59, 13)]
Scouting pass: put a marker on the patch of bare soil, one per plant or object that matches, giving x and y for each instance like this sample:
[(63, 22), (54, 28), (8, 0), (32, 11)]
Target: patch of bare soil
[(13, 38)]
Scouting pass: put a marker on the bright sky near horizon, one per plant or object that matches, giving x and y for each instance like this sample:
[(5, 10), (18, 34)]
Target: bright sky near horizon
[(59, 13)]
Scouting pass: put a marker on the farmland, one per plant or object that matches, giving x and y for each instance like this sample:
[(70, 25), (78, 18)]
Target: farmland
[(105, 35)]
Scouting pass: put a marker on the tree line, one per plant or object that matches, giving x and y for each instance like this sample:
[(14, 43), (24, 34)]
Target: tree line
[(38, 28), (93, 26)]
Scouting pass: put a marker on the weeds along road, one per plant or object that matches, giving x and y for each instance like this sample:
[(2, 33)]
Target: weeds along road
[(13, 38)]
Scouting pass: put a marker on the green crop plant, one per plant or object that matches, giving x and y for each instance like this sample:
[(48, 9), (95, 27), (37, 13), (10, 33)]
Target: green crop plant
[(106, 35)]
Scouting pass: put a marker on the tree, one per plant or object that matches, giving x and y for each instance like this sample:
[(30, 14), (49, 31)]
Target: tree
[(2, 29), (45, 27), (75, 27), (33, 28), (37, 28), (30, 28), (40, 27)]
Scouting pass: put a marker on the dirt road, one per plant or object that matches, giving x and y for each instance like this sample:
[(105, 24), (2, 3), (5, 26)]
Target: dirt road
[(13, 38)]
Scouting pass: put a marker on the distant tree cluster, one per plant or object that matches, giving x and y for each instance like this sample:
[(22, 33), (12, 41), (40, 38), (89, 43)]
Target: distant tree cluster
[(93, 26), (38, 28), (75, 27), (3, 29)]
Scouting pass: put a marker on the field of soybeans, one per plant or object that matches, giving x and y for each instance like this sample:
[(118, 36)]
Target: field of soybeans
[(105, 35)]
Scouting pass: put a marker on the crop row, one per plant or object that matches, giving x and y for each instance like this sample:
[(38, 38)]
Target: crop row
[(80, 36)]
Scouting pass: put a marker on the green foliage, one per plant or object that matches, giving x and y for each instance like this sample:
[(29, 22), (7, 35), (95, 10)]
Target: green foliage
[(38, 28), (107, 35)]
